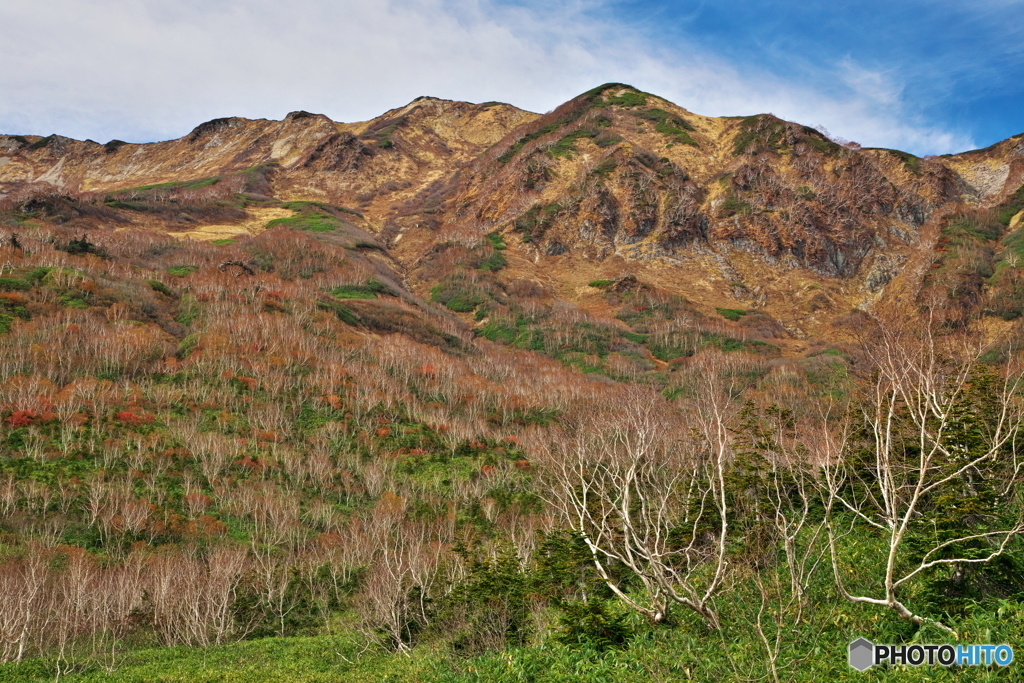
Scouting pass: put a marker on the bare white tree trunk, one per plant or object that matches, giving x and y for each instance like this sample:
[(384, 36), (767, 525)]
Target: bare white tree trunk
[(920, 393), (646, 493)]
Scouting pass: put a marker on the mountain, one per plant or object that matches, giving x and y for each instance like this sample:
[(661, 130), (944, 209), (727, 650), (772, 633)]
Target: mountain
[(737, 213)]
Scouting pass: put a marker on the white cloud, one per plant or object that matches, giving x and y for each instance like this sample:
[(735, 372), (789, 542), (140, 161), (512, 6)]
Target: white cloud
[(144, 70)]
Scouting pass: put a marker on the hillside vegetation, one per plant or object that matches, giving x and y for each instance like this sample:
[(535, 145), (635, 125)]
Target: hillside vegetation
[(614, 393)]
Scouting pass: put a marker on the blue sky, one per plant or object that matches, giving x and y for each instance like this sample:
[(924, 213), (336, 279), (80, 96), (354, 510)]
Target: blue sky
[(926, 77), (953, 65)]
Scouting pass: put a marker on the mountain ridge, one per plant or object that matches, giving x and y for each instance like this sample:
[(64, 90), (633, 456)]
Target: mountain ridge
[(729, 212)]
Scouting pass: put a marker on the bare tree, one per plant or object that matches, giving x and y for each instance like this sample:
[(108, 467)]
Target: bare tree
[(650, 496), (939, 428)]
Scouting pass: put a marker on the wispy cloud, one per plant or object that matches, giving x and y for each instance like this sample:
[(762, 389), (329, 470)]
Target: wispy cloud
[(144, 70)]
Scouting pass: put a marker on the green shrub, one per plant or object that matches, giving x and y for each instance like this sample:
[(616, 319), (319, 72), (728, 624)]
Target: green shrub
[(302, 205), (759, 132), (566, 147), (39, 144), (499, 331), (182, 271), (607, 139), (598, 623), (160, 287), (493, 263), (82, 245), (536, 221), (606, 167), (383, 136), (309, 221), (593, 96), (817, 140), (496, 240), (9, 283), (196, 184), (187, 346), (732, 206), (344, 314), (627, 100), (912, 162), (490, 608), (189, 310), (733, 314), (464, 302), (457, 294), (669, 125), (223, 242), (975, 226), (601, 284)]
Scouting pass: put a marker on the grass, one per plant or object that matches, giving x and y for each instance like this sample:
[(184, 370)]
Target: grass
[(309, 222), (223, 242), (670, 126), (176, 185), (312, 659), (1009, 208), (370, 290), (306, 206)]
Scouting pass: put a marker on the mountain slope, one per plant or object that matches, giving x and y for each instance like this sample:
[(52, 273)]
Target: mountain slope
[(744, 213)]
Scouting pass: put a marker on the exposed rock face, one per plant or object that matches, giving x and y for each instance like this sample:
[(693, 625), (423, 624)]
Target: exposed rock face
[(723, 211)]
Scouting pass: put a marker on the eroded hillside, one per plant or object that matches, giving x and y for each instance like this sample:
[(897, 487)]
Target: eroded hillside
[(495, 208)]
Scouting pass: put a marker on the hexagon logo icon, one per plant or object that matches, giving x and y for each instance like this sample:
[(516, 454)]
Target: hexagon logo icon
[(862, 653)]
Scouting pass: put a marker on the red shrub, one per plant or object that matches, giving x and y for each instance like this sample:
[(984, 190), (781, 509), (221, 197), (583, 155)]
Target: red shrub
[(21, 418)]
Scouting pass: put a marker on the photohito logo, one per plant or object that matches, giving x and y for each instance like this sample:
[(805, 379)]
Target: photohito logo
[(864, 654)]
